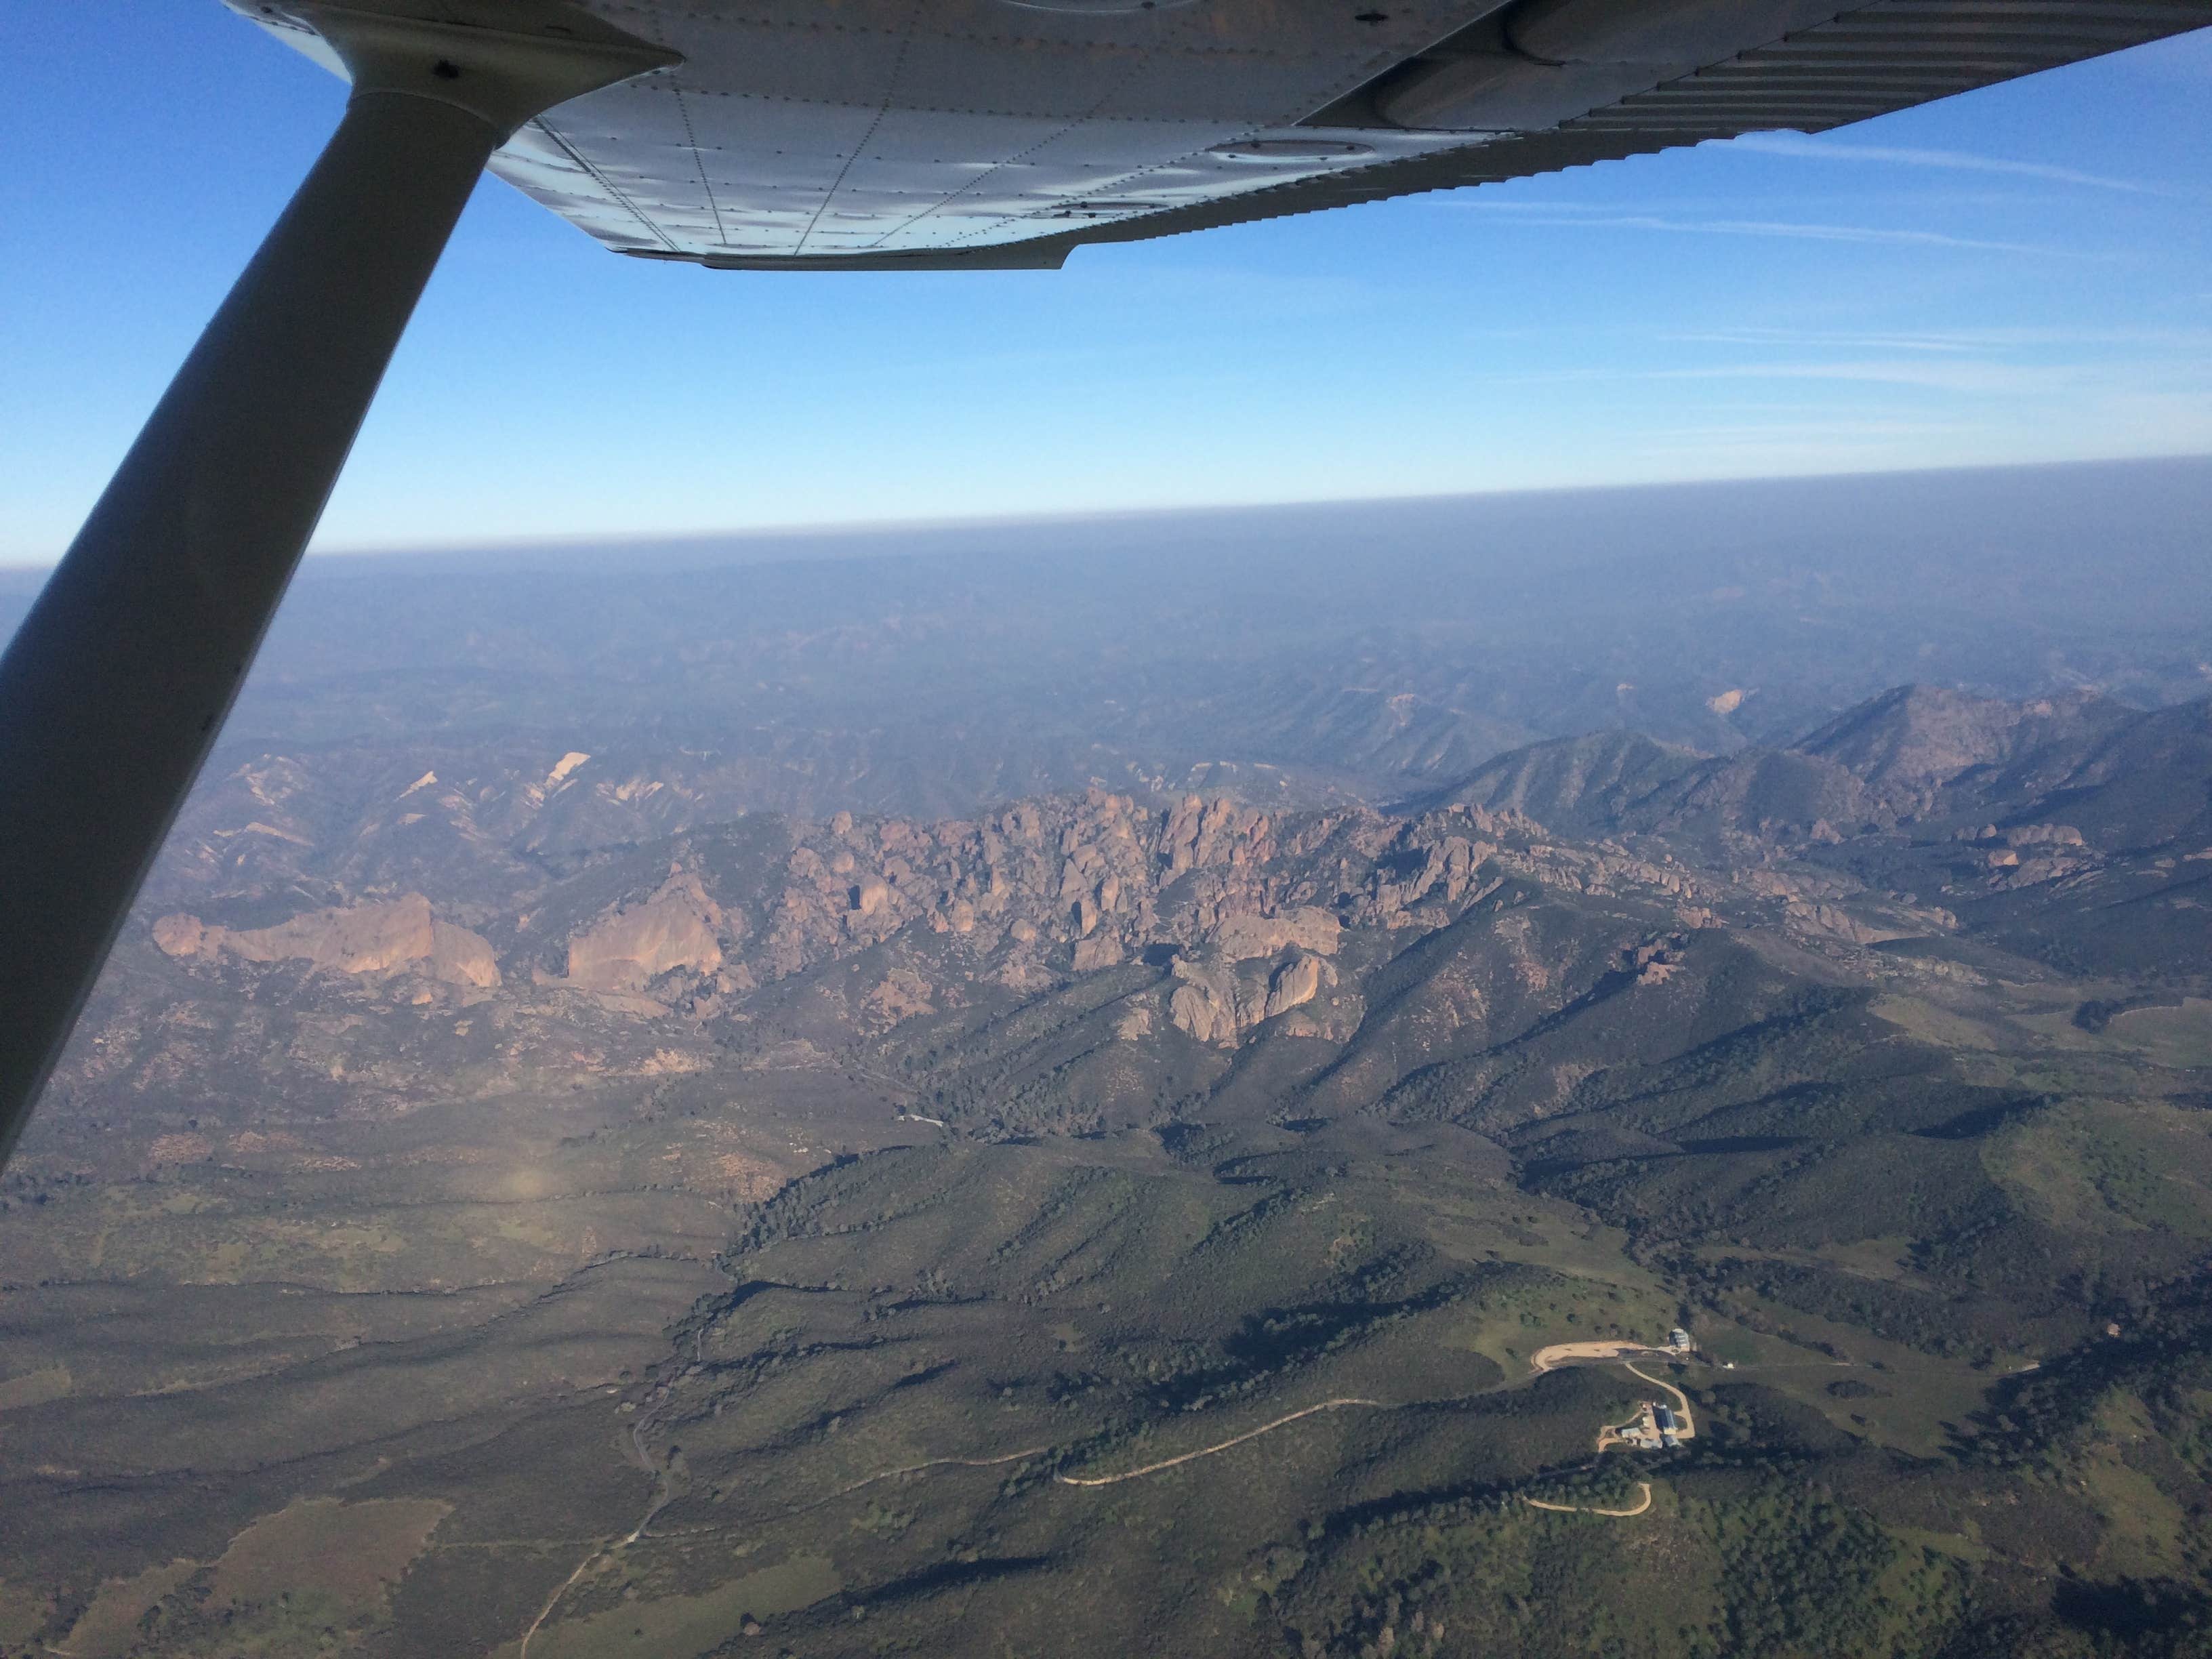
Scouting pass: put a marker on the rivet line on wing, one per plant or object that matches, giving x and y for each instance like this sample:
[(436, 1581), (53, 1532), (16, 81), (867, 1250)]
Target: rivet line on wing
[(891, 86), (691, 138)]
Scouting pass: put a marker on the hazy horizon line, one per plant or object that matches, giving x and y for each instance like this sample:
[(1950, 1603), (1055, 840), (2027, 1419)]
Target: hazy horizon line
[(864, 529)]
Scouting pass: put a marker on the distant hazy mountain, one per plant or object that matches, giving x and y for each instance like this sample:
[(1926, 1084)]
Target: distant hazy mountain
[(1373, 648), (2125, 778)]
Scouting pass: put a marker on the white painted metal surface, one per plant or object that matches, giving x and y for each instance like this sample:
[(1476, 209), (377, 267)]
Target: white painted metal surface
[(840, 127), (889, 133)]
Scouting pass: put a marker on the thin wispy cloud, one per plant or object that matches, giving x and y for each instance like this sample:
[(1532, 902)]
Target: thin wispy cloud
[(1968, 377), (1949, 341), (1553, 216), (2059, 373), (2007, 391), (1949, 160), (1811, 339), (1974, 379)]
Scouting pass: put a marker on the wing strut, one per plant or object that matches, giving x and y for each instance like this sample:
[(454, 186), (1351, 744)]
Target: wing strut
[(114, 688)]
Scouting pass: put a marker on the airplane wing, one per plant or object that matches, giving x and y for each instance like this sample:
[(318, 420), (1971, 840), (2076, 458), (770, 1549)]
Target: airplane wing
[(944, 134)]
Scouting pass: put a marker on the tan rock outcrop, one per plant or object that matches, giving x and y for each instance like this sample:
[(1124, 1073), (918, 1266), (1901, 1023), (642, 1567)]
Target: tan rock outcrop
[(1200, 1008), (363, 938), (1333, 1016), (377, 937), (1446, 871), (1098, 951), (1204, 1002), (1241, 938), (1135, 1023), (679, 926), (1294, 984), (461, 957), (561, 767), (1196, 833), (179, 935)]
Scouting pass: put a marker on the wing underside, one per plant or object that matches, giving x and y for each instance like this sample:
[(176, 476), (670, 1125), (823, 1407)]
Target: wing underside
[(947, 134)]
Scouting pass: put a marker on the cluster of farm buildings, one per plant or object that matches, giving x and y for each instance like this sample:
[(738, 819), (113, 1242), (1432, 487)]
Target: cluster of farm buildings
[(1658, 1426)]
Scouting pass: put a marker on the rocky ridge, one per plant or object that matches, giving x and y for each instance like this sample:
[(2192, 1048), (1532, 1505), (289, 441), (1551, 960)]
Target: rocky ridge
[(2080, 770), (1232, 917), (1145, 944), (376, 938)]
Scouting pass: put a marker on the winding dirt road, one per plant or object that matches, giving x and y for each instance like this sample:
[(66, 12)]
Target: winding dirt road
[(1208, 1451), (664, 1492), (944, 1462), (1642, 1504)]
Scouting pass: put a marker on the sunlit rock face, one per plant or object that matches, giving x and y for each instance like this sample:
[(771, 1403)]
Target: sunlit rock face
[(1203, 1004), (679, 926), (370, 938), (1240, 937), (1217, 1001), (1293, 985)]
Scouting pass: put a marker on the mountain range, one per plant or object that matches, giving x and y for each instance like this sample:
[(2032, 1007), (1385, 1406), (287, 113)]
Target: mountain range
[(1220, 1176)]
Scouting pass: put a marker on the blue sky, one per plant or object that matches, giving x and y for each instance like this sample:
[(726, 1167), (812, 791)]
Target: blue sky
[(2022, 273)]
